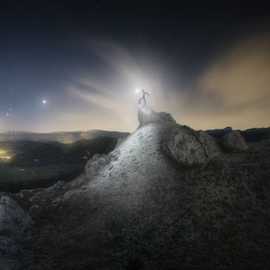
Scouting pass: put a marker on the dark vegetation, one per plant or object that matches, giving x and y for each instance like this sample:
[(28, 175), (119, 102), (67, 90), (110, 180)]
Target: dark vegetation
[(135, 209), (40, 164)]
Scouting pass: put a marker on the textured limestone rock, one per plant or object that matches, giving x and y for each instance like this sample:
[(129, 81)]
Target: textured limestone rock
[(15, 235), (135, 209), (185, 145), (146, 115), (189, 147), (233, 141)]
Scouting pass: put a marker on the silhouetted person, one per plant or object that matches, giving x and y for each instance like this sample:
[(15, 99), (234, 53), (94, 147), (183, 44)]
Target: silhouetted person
[(143, 100)]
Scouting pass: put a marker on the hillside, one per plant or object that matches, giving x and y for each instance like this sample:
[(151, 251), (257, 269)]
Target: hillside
[(33, 164), (167, 197), (62, 137)]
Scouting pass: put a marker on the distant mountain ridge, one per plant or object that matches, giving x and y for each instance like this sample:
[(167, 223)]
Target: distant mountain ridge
[(164, 197), (250, 135), (62, 137)]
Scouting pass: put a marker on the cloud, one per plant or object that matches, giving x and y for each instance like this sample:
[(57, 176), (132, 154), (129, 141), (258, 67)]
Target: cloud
[(235, 89), (108, 99)]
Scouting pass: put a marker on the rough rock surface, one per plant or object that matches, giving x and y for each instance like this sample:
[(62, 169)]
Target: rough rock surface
[(136, 208), (189, 147), (234, 141), (15, 236), (146, 115), (181, 143)]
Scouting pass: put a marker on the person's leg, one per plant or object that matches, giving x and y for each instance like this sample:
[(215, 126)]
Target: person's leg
[(144, 101)]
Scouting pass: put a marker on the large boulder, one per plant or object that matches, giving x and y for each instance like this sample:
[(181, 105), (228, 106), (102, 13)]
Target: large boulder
[(146, 115), (233, 141), (189, 147), (137, 209), (181, 143), (15, 235), (219, 133)]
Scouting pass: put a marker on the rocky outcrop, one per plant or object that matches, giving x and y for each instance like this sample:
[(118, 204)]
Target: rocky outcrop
[(250, 135), (219, 133), (233, 141), (146, 205), (181, 143), (189, 147), (15, 236), (146, 115), (98, 162), (139, 210)]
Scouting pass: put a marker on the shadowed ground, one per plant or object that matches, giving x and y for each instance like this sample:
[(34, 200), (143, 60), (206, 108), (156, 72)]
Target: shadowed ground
[(147, 205)]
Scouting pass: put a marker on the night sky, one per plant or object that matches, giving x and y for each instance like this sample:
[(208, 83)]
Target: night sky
[(75, 66)]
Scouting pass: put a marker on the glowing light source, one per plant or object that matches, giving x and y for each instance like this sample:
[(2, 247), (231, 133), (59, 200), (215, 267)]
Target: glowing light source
[(138, 91), (4, 156), (44, 101), (3, 152)]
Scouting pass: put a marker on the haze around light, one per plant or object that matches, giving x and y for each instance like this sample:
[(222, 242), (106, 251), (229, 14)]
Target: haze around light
[(231, 90)]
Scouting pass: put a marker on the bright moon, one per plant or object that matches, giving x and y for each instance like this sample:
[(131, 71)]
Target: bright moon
[(44, 101)]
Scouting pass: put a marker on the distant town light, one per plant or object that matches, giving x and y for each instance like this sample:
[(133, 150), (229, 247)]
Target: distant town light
[(3, 152), (4, 156)]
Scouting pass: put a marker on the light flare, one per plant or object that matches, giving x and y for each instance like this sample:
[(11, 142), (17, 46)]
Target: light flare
[(4, 155)]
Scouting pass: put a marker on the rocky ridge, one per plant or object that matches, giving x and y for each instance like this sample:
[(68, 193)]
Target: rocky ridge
[(167, 197)]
